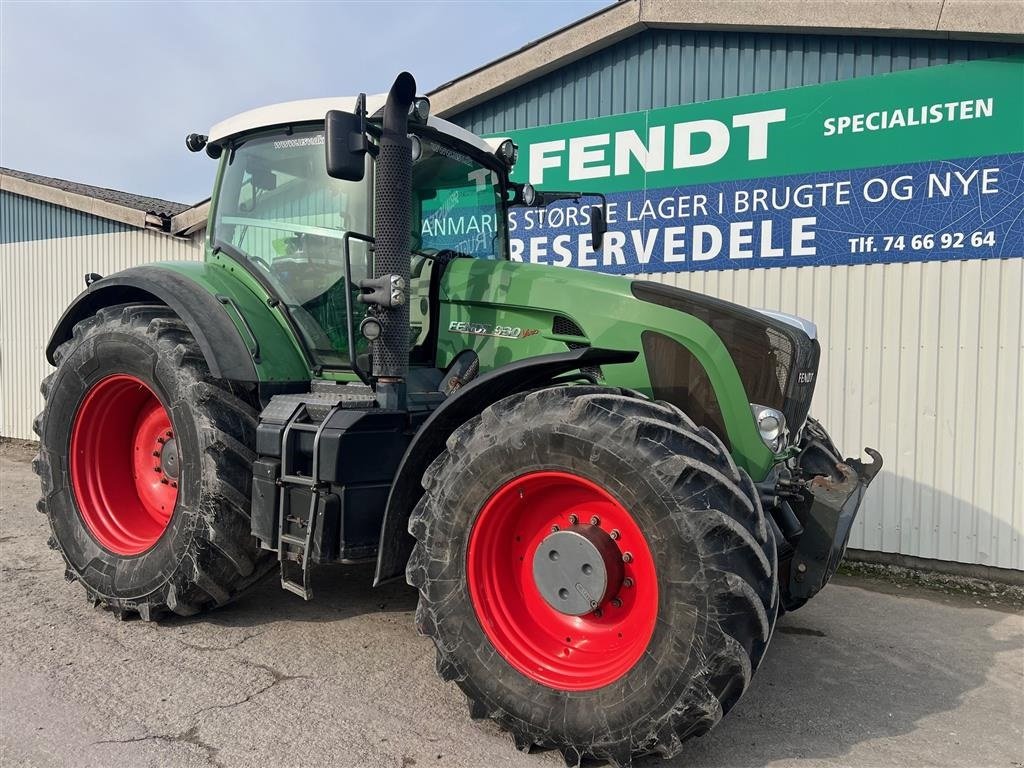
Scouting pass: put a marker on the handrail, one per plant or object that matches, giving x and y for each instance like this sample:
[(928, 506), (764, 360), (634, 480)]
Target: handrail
[(349, 317)]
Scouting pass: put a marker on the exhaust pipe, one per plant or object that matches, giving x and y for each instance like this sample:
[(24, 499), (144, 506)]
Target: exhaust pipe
[(392, 221)]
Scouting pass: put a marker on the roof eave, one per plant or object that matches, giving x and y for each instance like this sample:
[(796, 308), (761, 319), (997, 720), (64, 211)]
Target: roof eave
[(962, 19), (191, 220), (83, 203)]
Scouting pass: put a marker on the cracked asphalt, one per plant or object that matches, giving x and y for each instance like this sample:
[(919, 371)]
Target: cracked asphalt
[(865, 675)]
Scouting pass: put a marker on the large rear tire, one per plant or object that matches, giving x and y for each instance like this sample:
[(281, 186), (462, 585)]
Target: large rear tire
[(674, 644), (145, 466)]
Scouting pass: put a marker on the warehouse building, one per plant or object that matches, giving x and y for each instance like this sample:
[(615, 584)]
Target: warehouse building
[(921, 350), (53, 233), (857, 163)]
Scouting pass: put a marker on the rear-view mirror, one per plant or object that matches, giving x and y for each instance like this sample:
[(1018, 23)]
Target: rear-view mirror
[(345, 145), (598, 226)]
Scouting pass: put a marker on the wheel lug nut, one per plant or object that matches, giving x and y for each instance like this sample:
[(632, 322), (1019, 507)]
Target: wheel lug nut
[(555, 529), (627, 582), (595, 520), (169, 433), (161, 440), (174, 484), (164, 480), (627, 557), (616, 602), (156, 453), (597, 612), (614, 533), (157, 469), (573, 519)]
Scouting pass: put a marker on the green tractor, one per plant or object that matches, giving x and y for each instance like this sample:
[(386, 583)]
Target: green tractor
[(605, 490)]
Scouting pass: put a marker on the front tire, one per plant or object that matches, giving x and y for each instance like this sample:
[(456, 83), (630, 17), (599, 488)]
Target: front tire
[(145, 466), (666, 655)]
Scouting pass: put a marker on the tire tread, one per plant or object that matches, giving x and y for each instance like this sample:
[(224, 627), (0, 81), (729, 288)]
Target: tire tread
[(733, 535), (224, 560)]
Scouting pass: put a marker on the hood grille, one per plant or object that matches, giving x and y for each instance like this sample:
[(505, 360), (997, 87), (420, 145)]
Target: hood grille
[(777, 362)]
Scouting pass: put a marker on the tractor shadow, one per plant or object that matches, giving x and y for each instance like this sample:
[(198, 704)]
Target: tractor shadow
[(339, 592), (857, 665), (862, 662), (866, 661)]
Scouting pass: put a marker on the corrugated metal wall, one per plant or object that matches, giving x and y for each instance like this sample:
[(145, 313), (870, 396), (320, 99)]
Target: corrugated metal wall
[(923, 361), (40, 277), (664, 68)]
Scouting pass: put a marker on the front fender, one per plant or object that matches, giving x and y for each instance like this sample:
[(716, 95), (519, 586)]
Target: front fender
[(520, 376)]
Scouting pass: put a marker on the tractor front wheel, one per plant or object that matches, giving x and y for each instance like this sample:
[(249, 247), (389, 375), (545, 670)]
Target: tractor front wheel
[(145, 465), (595, 571)]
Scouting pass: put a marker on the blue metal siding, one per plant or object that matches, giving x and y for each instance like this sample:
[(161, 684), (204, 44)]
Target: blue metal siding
[(666, 67), (885, 329), (24, 219)]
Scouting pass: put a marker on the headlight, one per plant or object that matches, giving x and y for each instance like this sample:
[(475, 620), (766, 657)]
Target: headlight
[(771, 425), (508, 151), (420, 109)]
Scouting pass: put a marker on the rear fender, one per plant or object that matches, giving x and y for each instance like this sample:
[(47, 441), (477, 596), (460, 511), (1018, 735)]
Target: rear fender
[(520, 376), (232, 327)]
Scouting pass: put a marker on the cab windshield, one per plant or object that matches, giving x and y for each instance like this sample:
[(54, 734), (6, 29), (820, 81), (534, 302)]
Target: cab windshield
[(456, 203), (278, 208)]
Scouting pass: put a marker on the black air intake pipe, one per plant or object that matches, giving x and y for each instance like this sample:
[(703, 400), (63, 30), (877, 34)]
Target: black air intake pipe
[(392, 222)]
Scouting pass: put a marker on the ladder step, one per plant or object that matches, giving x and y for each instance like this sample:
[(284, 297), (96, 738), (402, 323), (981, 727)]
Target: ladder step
[(298, 480), (297, 589), (291, 548)]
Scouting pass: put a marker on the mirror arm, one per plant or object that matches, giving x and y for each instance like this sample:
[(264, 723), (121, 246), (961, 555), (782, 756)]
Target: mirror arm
[(598, 221), (547, 197)]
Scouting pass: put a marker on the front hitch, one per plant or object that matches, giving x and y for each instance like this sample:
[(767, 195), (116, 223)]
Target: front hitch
[(828, 524)]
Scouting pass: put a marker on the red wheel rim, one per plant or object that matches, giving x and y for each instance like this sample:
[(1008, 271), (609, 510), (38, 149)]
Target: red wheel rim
[(569, 653), (124, 464)]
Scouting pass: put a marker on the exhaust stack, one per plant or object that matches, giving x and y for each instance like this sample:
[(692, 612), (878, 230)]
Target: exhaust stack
[(392, 221)]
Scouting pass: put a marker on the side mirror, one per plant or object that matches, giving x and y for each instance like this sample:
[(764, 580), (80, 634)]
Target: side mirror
[(345, 145), (598, 226)]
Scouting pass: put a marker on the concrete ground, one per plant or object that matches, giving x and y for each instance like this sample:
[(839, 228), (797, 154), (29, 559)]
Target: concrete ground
[(859, 677)]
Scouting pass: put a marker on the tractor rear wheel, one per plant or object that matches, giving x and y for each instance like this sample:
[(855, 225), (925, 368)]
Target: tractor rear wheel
[(145, 465), (596, 573)]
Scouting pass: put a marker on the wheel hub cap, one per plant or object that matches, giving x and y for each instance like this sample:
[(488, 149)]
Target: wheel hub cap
[(169, 459), (575, 569)]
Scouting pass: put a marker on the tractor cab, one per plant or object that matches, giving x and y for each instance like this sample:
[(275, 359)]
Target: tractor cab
[(298, 203), (276, 207)]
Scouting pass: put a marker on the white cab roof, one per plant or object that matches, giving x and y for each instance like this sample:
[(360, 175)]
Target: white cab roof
[(311, 110)]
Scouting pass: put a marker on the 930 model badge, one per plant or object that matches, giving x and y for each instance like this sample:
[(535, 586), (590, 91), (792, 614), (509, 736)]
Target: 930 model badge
[(500, 331)]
